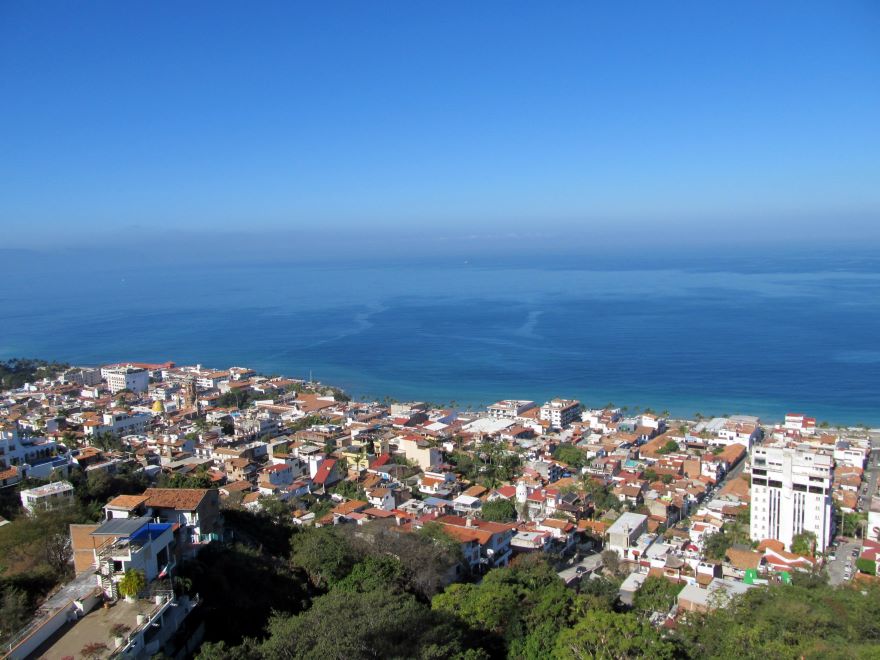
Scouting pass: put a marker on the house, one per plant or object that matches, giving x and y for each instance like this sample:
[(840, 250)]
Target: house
[(327, 474), (625, 531), (415, 448), (440, 484), (9, 477), (563, 533), (485, 544), (139, 543), (50, 496), (777, 558), (381, 498), (741, 559), (695, 598), (195, 510)]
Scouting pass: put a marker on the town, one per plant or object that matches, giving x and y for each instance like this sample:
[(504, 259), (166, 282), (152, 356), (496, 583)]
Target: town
[(153, 465)]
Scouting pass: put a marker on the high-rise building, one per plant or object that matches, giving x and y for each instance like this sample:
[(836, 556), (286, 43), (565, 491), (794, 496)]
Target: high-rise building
[(134, 379), (561, 412), (791, 494)]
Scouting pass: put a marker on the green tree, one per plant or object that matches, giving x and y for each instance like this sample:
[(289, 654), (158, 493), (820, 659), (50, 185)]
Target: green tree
[(132, 583), (375, 574), (668, 448), (803, 543), (14, 612), (324, 554), (570, 455), (275, 508), (610, 561), (613, 636), (522, 604), (371, 624), (656, 594), (499, 510)]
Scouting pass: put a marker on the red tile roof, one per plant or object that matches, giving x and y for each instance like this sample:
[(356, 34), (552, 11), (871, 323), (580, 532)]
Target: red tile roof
[(324, 471)]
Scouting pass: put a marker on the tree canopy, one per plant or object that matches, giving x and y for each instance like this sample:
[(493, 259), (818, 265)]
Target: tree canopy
[(500, 510)]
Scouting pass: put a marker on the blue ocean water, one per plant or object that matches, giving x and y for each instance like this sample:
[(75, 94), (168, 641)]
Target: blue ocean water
[(762, 336)]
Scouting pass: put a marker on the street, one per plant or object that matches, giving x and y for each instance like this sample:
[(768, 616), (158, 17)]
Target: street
[(837, 567), (586, 565)]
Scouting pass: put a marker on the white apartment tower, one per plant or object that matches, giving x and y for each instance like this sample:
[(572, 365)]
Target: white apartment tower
[(561, 412), (133, 379), (791, 493)]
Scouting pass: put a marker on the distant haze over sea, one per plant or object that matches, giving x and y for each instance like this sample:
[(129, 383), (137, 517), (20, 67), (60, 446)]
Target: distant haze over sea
[(722, 330)]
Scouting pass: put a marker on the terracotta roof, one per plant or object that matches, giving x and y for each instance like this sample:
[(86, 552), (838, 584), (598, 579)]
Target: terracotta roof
[(350, 507), (467, 534), (771, 544), (475, 491), (237, 486), (127, 502), (182, 499), (9, 474), (743, 559)]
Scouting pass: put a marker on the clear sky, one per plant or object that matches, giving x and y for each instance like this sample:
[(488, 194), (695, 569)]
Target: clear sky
[(747, 120)]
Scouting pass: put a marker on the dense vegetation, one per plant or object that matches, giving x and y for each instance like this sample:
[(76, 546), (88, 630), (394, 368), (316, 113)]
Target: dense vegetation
[(16, 372), (490, 465), (371, 592)]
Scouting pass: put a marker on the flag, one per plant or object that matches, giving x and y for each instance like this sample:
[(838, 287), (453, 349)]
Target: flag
[(164, 572)]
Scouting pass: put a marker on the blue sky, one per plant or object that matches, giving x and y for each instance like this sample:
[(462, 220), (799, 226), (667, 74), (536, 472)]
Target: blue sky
[(740, 120)]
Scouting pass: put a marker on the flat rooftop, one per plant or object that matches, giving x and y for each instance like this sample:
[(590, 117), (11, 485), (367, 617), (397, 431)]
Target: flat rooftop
[(49, 489)]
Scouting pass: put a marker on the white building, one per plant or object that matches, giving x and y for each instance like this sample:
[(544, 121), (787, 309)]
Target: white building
[(791, 494), (509, 408), (49, 496), (35, 455), (873, 530), (846, 453), (561, 412), (118, 423), (624, 533), (133, 379)]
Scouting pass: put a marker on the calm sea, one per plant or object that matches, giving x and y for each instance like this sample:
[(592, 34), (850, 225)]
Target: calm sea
[(762, 335)]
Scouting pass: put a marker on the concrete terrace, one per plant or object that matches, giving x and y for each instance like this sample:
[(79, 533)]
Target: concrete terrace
[(93, 627)]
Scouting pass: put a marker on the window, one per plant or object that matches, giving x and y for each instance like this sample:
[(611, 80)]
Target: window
[(775, 484)]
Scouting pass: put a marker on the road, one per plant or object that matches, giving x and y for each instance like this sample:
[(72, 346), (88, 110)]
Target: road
[(589, 563), (837, 567), (733, 474), (872, 473)]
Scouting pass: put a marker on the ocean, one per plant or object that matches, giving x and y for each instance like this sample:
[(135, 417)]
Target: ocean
[(761, 335)]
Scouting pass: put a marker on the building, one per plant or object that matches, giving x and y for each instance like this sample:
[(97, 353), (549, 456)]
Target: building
[(485, 545), (718, 593), (791, 494), (35, 456), (509, 408), (561, 412), (624, 533), (82, 376), (134, 379), (49, 496), (419, 450), (117, 423), (873, 530)]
